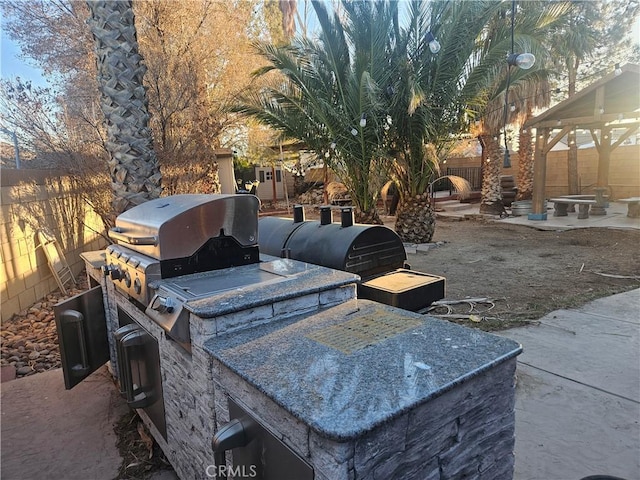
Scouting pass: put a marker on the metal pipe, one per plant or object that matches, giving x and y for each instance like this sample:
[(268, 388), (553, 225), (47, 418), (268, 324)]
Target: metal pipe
[(298, 214), (326, 216)]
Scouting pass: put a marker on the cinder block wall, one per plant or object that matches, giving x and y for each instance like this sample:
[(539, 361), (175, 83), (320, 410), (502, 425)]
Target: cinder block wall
[(624, 170), (33, 200)]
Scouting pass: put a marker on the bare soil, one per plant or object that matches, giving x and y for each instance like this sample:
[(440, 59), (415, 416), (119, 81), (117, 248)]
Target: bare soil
[(526, 272), (523, 272)]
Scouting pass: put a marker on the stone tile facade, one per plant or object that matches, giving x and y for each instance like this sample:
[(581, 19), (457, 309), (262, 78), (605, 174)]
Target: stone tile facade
[(468, 432), (465, 432), (195, 404)]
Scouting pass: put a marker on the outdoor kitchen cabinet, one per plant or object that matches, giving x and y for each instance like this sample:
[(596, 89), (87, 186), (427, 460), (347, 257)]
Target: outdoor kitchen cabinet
[(84, 347), (346, 388), (82, 335), (82, 325)]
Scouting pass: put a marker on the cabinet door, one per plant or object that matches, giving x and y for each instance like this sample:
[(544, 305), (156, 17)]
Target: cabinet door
[(82, 335)]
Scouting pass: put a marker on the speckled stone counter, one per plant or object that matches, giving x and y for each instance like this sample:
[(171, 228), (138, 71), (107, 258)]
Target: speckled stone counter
[(225, 302), (355, 388), (295, 279), (94, 260), (340, 385)]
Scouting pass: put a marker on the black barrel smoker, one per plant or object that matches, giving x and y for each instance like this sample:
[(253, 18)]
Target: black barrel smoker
[(374, 252)]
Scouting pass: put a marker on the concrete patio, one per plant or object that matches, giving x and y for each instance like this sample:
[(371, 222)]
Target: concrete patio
[(578, 392), (616, 217)]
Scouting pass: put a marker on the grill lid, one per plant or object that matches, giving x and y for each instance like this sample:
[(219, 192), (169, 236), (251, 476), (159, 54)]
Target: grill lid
[(179, 225)]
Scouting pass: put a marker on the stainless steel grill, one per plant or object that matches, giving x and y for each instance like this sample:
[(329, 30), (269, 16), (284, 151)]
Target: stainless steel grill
[(179, 235)]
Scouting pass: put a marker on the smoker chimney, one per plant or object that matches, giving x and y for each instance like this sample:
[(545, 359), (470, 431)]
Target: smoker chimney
[(298, 213), (325, 215), (346, 216)]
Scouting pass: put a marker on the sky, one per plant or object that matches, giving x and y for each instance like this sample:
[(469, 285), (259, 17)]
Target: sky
[(12, 66)]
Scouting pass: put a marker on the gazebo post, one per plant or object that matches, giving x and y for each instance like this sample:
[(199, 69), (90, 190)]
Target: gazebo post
[(539, 175), (604, 157)]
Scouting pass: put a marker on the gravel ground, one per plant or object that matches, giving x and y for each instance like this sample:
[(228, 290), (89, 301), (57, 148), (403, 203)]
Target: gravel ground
[(29, 339)]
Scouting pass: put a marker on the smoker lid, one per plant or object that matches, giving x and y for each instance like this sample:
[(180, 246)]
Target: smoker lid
[(178, 225)]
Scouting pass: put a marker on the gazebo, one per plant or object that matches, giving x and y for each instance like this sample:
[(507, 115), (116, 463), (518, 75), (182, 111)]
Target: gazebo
[(613, 102)]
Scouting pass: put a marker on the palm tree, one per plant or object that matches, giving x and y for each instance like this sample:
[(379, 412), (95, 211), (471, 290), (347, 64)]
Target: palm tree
[(432, 93), (329, 95), (529, 87), (535, 95), (133, 165)]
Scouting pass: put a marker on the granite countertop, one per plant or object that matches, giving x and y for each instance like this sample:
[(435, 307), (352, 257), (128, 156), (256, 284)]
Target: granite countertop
[(348, 369), (95, 258), (228, 292)]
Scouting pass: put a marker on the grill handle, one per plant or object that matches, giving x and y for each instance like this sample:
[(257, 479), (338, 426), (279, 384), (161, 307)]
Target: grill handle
[(118, 234), (137, 396), (75, 319)]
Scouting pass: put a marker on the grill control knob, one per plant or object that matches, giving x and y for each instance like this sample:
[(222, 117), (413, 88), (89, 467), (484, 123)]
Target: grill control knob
[(163, 304), (137, 286), (127, 279), (115, 272)]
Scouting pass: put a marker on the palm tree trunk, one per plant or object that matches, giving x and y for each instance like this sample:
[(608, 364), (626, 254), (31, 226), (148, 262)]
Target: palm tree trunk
[(572, 154), (525, 165), (491, 195), (134, 168), (416, 219), (288, 9)]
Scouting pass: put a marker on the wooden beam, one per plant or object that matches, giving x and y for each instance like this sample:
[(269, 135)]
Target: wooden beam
[(539, 175), (596, 142), (604, 158), (630, 131), (559, 136), (630, 117)]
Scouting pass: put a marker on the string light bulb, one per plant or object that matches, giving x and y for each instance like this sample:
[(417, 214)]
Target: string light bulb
[(363, 120), (354, 132), (522, 60), (434, 45), (618, 70)]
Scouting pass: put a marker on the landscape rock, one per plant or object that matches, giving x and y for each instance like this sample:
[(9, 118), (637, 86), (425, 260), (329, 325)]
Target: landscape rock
[(29, 339)]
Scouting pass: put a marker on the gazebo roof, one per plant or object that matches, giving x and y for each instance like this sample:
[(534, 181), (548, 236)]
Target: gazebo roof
[(614, 99)]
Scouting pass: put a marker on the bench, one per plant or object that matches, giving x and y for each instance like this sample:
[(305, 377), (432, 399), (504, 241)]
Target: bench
[(602, 202), (633, 206), (562, 204)]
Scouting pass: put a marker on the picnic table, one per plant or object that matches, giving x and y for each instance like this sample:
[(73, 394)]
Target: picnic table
[(598, 208), (561, 206)]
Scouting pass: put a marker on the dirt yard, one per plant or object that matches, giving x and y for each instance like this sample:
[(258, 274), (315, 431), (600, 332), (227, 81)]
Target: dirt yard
[(526, 272)]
